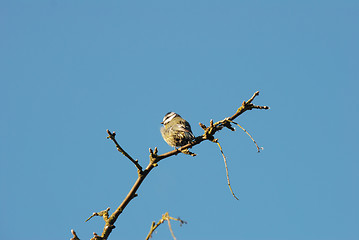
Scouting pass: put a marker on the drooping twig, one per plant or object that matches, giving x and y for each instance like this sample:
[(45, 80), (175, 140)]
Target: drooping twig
[(165, 217), (154, 159), (225, 164), (120, 149), (258, 148), (170, 227)]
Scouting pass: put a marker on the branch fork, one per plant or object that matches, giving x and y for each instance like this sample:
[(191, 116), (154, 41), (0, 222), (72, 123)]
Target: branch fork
[(103, 213), (155, 158), (165, 217)]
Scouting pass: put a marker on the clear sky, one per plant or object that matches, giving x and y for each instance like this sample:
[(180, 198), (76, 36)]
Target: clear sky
[(72, 69)]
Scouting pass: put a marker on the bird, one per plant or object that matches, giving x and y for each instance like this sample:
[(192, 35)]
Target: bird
[(175, 130)]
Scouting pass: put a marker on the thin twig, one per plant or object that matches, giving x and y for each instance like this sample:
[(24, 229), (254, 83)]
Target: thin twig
[(252, 98), (165, 217), (169, 226), (75, 235), (227, 174), (103, 213), (258, 148), (120, 149)]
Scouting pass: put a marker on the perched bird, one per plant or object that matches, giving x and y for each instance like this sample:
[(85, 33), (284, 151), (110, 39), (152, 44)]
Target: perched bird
[(175, 130)]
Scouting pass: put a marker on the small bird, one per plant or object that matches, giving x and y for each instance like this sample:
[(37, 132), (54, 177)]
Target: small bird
[(175, 130)]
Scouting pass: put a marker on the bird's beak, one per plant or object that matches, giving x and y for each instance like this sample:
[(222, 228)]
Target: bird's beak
[(161, 122)]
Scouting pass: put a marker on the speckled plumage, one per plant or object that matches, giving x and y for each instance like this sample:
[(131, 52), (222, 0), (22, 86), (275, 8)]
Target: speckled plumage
[(176, 131)]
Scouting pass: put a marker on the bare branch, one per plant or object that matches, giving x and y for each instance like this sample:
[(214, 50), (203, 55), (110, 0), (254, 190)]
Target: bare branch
[(258, 148), (214, 127), (170, 227), (247, 106), (120, 149), (75, 235), (154, 159), (103, 213), (153, 228), (252, 98), (165, 217), (225, 164)]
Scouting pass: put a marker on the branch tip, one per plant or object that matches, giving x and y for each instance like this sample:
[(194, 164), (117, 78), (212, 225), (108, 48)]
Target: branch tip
[(252, 98), (75, 235), (227, 174), (202, 126), (103, 213), (120, 149), (258, 148)]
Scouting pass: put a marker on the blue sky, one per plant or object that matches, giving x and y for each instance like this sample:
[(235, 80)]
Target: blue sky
[(72, 69)]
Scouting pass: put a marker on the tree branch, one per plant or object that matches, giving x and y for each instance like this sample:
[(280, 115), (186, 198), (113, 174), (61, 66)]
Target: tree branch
[(103, 213), (165, 217), (75, 237), (120, 149), (225, 164), (154, 158)]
